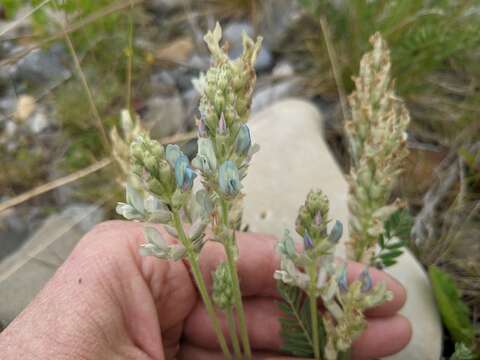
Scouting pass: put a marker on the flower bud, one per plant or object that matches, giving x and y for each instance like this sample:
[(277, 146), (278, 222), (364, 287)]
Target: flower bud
[(205, 160), (202, 128), (165, 174), (222, 125), (136, 150), (342, 279), (172, 154), (222, 292), (316, 202), (336, 233), (307, 240), (243, 141), (155, 187), (366, 280), (157, 150), (150, 163), (228, 179), (219, 101)]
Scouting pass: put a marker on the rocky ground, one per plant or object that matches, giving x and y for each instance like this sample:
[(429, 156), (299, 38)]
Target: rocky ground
[(32, 139)]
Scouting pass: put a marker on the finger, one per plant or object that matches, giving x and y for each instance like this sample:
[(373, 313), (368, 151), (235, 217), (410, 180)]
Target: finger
[(399, 294), (189, 351), (258, 261), (256, 264), (383, 337), (262, 325)]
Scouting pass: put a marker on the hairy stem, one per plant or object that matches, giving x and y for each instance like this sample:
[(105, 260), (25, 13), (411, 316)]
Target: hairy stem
[(344, 355), (232, 329), (313, 310), (230, 245), (200, 282)]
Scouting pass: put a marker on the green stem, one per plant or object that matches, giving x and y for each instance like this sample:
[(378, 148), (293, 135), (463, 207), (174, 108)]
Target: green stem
[(202, 288), (346, 355), (232, 329), (314, 311), (229, 245)]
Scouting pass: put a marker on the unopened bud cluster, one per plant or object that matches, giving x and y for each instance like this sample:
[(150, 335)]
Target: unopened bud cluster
[(222, 293), (225, 143), (377, 137)]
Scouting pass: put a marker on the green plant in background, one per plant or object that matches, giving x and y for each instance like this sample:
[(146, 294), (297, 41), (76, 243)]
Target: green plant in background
[(455, 313), (434, 55), (100, 35), (462, 352), (376, 134)]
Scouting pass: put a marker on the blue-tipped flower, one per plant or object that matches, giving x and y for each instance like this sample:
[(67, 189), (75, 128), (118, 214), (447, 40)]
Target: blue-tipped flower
[(172, 153), (229, 179), (307, 240), (202, 128), (243, 141), (184, 175), (366, 280), (342, 279), (222, 125), (205, 159), (336, 232)]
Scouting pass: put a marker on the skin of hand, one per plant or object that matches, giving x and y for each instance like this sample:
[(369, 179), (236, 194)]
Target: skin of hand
[(108, 302)]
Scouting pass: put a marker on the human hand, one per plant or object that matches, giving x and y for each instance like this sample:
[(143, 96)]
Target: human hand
[(106, 301)]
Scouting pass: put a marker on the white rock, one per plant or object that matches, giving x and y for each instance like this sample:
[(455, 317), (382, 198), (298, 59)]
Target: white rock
[(272, 92), (293, 159)]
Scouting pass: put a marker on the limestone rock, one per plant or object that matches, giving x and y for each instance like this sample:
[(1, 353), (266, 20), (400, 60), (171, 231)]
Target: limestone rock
[(293, 159)]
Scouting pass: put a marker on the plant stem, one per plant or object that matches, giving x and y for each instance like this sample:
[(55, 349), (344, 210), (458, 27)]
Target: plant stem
[(202, 288), (313, 310), (232, 329), (344, 355), (229, 245)]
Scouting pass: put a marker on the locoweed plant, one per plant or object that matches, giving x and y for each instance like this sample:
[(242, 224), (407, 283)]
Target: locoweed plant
[(377, 136), (309, 273), (166, 188), (379, 227), (161, 191)]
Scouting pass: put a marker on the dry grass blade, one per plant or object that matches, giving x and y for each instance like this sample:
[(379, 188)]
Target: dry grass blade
[(108, 10), (83, 79), (54, 184), (17, 200), (334, 63), (14, 24)]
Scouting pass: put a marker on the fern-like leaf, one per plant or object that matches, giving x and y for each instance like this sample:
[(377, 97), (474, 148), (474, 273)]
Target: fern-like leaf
[(394, 239), (296, 330)]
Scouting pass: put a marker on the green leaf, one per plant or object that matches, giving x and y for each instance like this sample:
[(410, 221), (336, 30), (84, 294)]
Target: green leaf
[(396, 236), (455, 313), (400, 225), (295, 322), (462, 352)]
